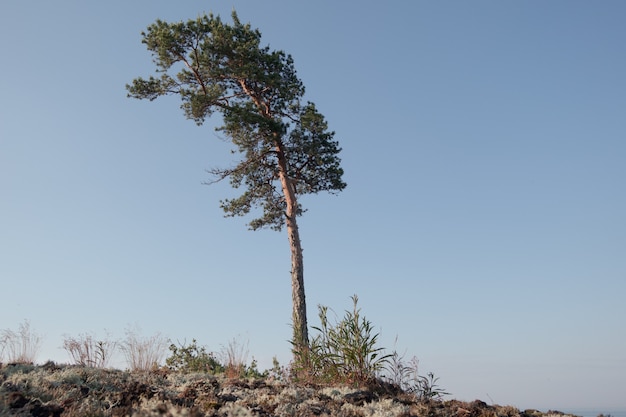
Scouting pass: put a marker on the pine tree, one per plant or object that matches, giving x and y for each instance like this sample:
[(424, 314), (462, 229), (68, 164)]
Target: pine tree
[(285, 146)]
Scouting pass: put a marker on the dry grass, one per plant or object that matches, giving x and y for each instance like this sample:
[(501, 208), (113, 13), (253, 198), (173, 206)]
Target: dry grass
[(19, 346), (234, 357), (85, 350), (143, 353)]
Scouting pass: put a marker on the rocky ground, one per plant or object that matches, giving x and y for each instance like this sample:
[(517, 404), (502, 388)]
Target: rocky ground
[(52, 390)]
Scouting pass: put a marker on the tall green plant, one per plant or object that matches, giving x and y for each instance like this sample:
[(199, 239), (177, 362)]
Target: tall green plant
[(345, 351)]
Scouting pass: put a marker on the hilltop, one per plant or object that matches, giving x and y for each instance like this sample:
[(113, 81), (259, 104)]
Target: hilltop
[(53, 390)]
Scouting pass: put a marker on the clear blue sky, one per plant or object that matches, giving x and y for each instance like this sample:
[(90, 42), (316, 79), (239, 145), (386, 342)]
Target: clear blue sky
[(483, 223)]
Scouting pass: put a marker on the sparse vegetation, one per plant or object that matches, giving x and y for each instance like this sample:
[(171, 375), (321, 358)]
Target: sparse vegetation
[(402, 373), (78, 391), (21, 346), (406, 376), (427, 388), (143, 353), (193, 358), (344, 373), (85, 350), (235, 357)]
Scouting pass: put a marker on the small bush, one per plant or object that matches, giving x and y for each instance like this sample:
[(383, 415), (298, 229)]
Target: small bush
[(21, 346), (193, 358)]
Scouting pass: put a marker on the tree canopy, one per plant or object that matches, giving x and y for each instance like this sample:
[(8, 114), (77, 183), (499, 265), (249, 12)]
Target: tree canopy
[(213, 67)]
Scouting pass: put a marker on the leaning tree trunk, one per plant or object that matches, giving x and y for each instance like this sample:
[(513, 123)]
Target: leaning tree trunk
[(300, 332), (300, 329)]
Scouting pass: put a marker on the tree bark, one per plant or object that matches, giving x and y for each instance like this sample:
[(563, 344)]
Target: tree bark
[(300, 327)]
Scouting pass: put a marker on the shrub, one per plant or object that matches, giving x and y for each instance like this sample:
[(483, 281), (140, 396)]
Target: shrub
[(21, 346), (192, 358), (342, 352)]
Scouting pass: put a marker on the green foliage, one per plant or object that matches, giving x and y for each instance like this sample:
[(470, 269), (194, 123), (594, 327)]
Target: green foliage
[(343, 352), (427, 388), (284, 142), (278, 372), (192, 358), (252, 371)]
